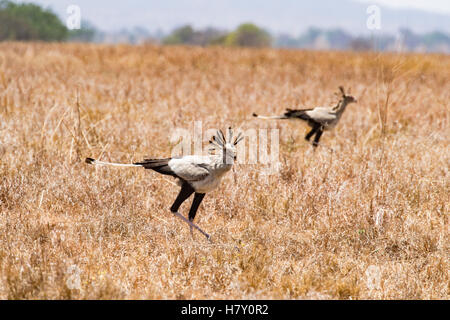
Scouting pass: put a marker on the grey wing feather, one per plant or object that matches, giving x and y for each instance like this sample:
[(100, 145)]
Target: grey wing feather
[(189, 170)]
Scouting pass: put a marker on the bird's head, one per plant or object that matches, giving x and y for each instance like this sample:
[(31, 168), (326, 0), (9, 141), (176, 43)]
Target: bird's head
[(226, 149), (347, 98)]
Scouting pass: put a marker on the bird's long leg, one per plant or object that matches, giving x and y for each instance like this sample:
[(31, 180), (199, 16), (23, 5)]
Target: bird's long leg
[(192, 225), (311, 133), (198, 197), (185, 192), (317, 137)]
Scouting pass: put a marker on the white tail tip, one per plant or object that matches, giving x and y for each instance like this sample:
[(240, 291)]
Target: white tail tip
[(102, 163)]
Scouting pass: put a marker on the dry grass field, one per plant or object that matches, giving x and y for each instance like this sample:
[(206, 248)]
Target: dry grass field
[(367, 221)]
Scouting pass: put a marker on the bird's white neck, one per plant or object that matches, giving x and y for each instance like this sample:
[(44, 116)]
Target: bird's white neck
[(221, 164), (340, 107)]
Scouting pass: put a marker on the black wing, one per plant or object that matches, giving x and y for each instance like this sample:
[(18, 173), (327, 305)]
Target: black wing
[(298, 113), (159, 165)]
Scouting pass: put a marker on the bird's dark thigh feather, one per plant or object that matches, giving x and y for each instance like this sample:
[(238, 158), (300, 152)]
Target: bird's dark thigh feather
[(185, 192), (314, 129), (198, 197), (317, 137)]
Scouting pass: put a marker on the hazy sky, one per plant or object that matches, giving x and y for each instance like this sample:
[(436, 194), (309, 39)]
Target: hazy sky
[(438, 6), (287, 16)]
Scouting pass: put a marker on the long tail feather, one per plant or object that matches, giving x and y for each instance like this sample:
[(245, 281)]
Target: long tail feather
[(102, 163), (270, 117)]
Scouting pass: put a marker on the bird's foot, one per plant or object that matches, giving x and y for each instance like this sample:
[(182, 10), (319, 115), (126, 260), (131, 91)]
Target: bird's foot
[(192, 225)]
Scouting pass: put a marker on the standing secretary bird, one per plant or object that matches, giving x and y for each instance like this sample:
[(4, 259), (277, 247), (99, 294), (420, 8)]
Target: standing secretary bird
[(195, 174), (319, 118)]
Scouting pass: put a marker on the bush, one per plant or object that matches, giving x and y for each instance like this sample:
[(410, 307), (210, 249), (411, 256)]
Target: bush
[(248, 35), (182, 35), (29, 22), (187, 35)]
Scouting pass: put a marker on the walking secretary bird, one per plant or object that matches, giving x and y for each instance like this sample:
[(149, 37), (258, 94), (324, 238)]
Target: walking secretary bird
[(195, 174), (319, 119)]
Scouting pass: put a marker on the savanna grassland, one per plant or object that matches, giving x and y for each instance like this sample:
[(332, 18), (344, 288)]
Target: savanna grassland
[(363, 217)]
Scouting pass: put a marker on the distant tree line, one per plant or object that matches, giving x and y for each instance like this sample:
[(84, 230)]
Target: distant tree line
[(250, 35), (246, 35), (30, 22), (405, 39)]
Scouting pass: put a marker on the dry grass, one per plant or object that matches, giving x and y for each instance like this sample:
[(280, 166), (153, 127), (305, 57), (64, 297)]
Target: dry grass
[(381, 200)]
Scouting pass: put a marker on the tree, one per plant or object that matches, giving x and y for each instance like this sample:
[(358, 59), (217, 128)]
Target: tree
[(187, 35), (13, 28), (361, 44), (182, 35), (248, 35), (28, 21)]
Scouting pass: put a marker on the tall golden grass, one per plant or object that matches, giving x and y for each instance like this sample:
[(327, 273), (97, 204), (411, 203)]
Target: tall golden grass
[(367, 221)]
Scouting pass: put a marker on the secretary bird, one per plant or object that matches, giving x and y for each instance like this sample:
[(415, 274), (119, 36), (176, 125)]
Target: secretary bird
[(195, 174), (319, 119)]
